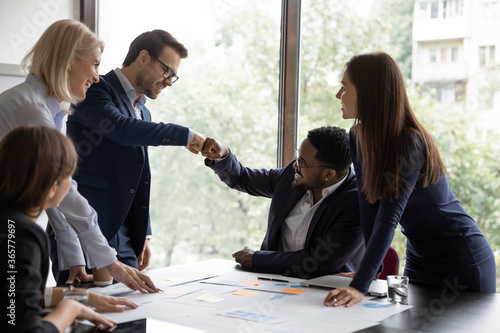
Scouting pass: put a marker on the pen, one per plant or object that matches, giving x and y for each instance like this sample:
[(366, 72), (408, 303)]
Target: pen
[(272, 279)]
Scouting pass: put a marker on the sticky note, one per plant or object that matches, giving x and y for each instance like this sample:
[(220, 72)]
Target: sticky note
[(210, 298), (293, 291), (251, 283), (245, 293)]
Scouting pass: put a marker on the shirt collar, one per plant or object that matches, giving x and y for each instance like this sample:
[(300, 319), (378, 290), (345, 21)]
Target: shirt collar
[(327, 190), (129, 90), (51, 101)]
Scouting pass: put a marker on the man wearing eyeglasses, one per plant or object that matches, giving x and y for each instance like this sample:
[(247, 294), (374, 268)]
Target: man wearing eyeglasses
[(313, 223), (112, 129)]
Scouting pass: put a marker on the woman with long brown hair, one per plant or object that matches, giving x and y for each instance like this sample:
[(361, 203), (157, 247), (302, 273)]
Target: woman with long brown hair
[(401, 179)]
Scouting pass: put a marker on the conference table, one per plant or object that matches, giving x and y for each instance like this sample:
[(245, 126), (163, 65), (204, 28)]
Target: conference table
[(218, 296)]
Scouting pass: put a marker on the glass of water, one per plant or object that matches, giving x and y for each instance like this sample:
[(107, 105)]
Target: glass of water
[(78, 294), (397, 289)]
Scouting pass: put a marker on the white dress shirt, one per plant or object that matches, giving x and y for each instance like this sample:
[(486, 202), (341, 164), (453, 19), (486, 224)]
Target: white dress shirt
[(28, 103), (141, 100), (294, 230), (139, 104)]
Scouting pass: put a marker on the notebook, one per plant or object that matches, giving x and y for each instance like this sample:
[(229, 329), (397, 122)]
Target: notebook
[(377, 287)]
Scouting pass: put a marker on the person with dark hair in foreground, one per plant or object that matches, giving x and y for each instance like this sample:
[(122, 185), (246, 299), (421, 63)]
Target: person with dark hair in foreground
[(31, 182)]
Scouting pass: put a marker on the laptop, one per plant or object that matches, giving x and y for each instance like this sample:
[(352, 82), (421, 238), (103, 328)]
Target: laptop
[(377, 287)]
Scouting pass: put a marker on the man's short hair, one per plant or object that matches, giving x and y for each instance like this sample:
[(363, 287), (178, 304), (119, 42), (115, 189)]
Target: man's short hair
[(332, 145), (154, 42)]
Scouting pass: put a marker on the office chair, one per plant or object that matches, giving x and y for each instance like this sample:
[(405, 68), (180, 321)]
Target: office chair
[(391, 264)]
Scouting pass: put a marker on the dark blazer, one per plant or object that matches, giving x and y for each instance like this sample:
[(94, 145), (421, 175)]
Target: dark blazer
[(334, 241), (27, 256), (113, 171), (444, 245)]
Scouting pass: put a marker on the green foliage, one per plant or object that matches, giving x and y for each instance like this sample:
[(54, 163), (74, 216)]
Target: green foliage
[(398, 16), (331, 33), (231, 95)]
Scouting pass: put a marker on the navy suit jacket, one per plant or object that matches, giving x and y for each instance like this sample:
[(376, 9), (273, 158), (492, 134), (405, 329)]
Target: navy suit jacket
[(113, 171), (334, 241), (27, 247)]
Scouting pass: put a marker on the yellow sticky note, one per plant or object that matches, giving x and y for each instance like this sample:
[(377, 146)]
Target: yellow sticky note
[(209, 298), (245, 293), (251, 283), (293, 291)]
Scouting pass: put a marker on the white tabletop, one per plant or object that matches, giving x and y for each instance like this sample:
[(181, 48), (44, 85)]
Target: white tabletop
[(216, 296)]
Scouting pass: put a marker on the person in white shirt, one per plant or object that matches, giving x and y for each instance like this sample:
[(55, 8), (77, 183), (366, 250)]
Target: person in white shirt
[(62, 65), (313, 223)]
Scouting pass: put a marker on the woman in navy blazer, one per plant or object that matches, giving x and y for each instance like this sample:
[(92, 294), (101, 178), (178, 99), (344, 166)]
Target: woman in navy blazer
[(401, 179)]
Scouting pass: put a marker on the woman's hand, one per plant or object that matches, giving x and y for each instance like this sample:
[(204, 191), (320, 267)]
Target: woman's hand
[(86, 313), (343, 296), (68, 310), (346, 274), (109, 303)]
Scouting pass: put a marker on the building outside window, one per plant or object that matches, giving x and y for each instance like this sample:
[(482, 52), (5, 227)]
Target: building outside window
[(432, 56), (486, 55)]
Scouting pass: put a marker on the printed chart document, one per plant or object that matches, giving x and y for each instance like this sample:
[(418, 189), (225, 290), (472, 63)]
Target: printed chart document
[(228, 299)]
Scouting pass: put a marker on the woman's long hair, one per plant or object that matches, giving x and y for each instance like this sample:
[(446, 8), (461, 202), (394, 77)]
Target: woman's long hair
[(50, 59), (385, 123)]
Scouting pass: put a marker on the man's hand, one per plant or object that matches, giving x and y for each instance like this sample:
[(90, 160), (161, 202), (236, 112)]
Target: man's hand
[(196, 145), (145, 256), (213, 149), (244, 257), (109, 303), (79, 273), (131, 277)]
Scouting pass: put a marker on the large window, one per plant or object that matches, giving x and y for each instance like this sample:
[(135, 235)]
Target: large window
[(458, 102), (228, 90)]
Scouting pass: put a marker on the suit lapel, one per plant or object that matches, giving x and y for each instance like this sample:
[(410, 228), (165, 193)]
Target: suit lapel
[(113, 80), (117, 86), (146, 115)]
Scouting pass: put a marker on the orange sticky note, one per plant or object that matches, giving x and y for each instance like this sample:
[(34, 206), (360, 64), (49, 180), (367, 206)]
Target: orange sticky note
[(293, 291), (251, 283), (246, 293)]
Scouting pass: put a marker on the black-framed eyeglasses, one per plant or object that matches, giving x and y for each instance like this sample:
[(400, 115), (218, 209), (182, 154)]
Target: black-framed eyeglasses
[(168, 73), (301, 163)]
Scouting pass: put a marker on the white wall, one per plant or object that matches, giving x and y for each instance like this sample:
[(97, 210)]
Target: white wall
[(9, 81), (21, 24)]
